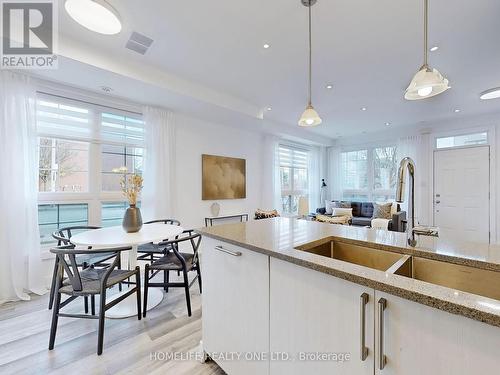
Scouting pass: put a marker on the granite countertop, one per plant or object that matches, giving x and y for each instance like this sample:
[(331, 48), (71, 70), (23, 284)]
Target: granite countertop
[(278, 237)]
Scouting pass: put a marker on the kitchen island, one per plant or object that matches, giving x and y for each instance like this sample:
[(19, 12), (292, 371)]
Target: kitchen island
[(287, 296)]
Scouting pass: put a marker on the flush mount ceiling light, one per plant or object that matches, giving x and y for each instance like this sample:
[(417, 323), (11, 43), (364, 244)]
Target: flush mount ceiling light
[(490, 94), (434, 49), (266, 46), (427, 82), (329, 87), (310, 117), (96, 15)]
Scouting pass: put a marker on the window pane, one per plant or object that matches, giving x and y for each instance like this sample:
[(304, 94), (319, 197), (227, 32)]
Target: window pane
[(300, 179), (290, 204), (63, 165), (54, 216), (355, 169), (116, 157), (293, 176), (384, 168), (355, 197), (112, 213), (462, 140)]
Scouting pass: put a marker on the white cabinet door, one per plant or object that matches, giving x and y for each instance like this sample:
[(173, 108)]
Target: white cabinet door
[(422, 340), (235, 306), (312, 312)]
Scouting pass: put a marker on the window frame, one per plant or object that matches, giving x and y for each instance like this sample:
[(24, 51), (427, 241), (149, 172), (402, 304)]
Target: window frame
[(95, 196), (292, 192), (370, 192)]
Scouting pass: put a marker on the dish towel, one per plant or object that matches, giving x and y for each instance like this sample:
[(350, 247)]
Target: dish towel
[(380, 224)]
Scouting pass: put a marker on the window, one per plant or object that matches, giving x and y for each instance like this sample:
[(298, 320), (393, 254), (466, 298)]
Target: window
[(54, 216), (462, 140), (63, 165), (293, 176), (112, 213), (83, 149), (115, 156), (369, 174)]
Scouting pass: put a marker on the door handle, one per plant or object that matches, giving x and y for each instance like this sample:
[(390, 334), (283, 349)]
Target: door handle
[(363, 300), (227, 251), (382, 359)]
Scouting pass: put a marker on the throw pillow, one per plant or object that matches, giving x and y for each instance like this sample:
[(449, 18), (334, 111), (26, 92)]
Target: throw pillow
[(262, 214), (382, 210), (342, 212), (329, 207)]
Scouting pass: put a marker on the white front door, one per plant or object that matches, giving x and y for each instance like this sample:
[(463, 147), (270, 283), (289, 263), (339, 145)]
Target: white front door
[(461, 193)]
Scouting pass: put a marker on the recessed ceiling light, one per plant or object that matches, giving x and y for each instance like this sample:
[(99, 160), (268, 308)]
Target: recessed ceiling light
[(329, 87), (95, 15), (387, 123), (490, 94), (456, 110), (266, 46), (269, 108), (363, 108), (434, 48)]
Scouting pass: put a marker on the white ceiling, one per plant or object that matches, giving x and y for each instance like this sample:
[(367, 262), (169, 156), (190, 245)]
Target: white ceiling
[(369, 50)]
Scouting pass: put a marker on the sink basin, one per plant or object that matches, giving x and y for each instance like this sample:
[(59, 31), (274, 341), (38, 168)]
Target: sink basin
[(364, 256), (467, 279)]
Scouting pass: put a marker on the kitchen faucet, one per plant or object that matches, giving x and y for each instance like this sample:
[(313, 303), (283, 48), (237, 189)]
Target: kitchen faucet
[(407, 164)]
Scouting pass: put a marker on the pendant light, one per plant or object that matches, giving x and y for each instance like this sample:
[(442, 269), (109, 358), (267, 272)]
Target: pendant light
[(310, 117), (427, 82)]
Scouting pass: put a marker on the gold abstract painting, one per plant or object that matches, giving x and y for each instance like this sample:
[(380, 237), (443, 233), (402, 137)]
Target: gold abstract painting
[(223, 177)]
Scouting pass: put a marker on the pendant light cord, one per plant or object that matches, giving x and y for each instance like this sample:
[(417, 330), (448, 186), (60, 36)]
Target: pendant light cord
[(310, 56), (426, 25)]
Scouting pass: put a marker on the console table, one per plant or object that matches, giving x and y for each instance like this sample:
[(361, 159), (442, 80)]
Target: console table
[(211, 219)]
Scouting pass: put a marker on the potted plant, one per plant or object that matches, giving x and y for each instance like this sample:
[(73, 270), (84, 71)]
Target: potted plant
[(131, 187)]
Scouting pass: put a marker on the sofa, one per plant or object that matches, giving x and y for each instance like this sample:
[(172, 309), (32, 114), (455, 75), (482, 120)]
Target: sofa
[(362, 213)]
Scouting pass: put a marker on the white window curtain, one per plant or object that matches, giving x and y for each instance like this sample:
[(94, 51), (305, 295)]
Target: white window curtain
[(314, 179), (21, 270), (159, 164), (271, 189), (418, 148), (334, 174)]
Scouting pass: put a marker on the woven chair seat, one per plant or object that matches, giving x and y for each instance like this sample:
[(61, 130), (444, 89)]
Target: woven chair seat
[(171, 262), (91, 281)]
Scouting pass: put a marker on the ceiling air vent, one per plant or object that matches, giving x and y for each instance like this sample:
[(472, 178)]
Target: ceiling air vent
[(139, 43)]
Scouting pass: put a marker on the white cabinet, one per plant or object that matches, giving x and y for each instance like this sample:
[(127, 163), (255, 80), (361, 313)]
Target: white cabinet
[(235, 306), (313, 312), (419, 339)]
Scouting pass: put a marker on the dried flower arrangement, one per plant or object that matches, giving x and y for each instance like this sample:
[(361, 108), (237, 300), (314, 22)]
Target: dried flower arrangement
[(131, 187)]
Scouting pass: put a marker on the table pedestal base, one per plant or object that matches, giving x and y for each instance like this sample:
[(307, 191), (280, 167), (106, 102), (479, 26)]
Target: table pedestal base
[(128, 307)]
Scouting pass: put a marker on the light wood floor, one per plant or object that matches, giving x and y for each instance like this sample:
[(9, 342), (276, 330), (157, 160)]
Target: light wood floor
[(129, 344)]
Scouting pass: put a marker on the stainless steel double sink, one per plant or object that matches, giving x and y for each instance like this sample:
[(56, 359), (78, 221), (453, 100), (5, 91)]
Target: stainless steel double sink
[(464, 278)]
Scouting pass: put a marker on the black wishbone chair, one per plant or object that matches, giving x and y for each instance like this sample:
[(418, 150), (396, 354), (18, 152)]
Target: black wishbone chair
[(150, 251), (63, 237), (89, 282), (175, 261)]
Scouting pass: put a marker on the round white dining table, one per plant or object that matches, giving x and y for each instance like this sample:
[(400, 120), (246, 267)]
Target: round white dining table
[(117, 237)]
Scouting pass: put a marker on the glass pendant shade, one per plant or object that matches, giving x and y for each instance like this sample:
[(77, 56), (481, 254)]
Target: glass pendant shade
[(310, 117), (425, 84)]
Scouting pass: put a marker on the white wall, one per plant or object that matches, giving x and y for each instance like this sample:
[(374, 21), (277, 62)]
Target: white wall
[(196, 137)]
